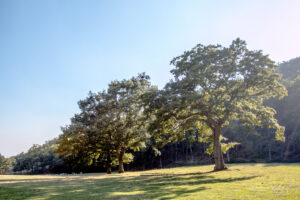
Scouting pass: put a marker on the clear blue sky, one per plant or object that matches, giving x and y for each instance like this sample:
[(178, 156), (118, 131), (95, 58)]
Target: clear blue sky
[(53, 52)]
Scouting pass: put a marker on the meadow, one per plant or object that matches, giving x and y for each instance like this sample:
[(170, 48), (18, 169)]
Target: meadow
[(240, 181)]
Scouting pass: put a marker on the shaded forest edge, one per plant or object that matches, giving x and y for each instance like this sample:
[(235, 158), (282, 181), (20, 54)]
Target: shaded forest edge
[(255, 144)]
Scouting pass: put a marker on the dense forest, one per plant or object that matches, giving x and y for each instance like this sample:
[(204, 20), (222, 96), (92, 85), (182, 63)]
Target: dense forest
[(127, 140)]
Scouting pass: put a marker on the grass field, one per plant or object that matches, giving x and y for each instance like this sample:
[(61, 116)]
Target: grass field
[(241, 181)]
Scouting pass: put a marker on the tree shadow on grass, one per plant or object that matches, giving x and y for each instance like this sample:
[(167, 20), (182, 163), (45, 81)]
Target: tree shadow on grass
[(280, 164), (147, 186), (173, 174)]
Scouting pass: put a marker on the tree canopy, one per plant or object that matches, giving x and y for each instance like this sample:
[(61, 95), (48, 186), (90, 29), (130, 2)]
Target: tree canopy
[(110, 123), (218, 96), (5, 164), (214, 84)]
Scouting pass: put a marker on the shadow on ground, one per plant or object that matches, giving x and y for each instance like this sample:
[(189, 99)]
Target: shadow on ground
[(147, 186)]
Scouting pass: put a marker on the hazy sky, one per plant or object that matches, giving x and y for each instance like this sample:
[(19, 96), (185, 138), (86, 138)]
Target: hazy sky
[(53, 52)]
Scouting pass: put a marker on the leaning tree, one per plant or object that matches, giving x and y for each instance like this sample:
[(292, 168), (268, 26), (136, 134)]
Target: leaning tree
[(214, 85)]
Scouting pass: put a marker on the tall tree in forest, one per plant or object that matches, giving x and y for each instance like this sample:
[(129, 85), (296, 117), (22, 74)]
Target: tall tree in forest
[(91, 131), (215, 84), (74, 145), (125, 98), (109, 124)]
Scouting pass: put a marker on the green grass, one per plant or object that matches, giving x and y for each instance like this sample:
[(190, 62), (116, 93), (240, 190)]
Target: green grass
[(241, 181)]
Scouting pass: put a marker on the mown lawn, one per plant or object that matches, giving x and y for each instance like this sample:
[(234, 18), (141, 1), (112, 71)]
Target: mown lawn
[(241, 181)]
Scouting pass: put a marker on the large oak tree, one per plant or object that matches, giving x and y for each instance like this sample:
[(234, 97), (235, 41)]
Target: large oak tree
[(213, 85)]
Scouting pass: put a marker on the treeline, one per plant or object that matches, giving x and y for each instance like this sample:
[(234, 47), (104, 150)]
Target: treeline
[(134, 126), (6, 164), (39, 159)]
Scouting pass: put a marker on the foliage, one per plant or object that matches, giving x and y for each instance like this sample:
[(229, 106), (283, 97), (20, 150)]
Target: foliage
[(170, 126), (221, 83), (288, 109), (290, 69), (110, 123), (39, 159), (5, 164), (215, 84), (261, 145)]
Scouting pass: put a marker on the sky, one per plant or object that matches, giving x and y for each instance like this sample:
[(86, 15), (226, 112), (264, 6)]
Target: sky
[(53, 52)]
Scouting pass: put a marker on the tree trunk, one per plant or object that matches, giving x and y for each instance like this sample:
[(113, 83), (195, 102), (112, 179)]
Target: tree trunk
[(160, 162), (289, 141), (176, 153), (228, 156), (121, 163), (270, 153), (186, 151), (108, 169), (192, 156), (108, 164), (218, 155)]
